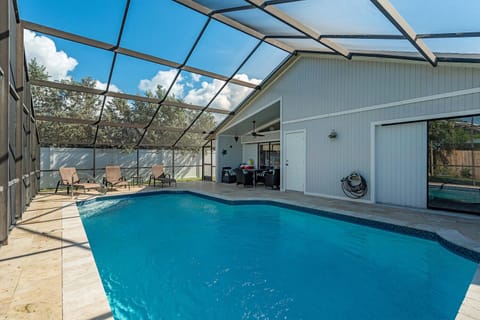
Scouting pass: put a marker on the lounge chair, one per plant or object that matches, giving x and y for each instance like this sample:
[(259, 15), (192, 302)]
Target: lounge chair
[(69, 178), (158, 173), (114, 178)]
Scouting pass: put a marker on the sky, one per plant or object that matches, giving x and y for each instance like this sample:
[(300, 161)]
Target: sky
[(160, 28), (167, 30)]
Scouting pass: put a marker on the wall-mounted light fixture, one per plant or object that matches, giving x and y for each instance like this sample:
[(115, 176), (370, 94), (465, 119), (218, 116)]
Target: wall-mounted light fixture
[(332, 135), (236, 138)]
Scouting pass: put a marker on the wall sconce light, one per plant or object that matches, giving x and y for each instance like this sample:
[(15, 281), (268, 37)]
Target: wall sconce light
[(224, 151), (236, 138), (333, 134)]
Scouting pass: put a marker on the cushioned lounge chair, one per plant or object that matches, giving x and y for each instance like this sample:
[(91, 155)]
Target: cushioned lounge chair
[(69, 178), (114, 177), (158, 174)]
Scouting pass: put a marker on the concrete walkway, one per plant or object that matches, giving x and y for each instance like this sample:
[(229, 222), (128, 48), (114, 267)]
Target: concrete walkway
[(47, 270)]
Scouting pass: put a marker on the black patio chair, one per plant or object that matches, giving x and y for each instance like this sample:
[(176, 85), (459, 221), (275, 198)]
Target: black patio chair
[(272, 179), (244, 177)]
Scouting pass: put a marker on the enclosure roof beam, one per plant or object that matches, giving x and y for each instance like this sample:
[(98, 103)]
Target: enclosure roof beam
[(65, 86), (412, 56), (473, 34), (131, 53), (219, 77), (70, 87), (110, 124), (389, 11), (67, 35), (234, 24), (66, 120), (300, 27), (250, 6), (449, 35)]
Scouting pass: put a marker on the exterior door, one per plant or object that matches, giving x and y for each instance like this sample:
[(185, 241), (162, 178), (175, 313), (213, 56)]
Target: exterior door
[(294, 164), (401, 164)]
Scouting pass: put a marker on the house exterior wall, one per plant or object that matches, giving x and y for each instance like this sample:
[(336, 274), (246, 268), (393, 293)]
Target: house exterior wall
[(232, 158), (319, 94)]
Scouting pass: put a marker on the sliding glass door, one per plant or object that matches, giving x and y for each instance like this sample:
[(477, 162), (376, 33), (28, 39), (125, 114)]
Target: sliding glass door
[(454, 164), (269, 155)]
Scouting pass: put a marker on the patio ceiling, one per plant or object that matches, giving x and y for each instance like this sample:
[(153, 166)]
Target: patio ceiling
[(263, 119), (209, 56)]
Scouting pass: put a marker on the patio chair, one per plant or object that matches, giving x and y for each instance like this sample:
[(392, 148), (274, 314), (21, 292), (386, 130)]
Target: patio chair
[(69, 178), (244, 177), (228, 175), (159, 174), (114, 177), (272, 179)]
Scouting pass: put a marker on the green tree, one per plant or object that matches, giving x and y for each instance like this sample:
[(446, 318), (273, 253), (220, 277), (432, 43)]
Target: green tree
[(445, 136), (86, 107)]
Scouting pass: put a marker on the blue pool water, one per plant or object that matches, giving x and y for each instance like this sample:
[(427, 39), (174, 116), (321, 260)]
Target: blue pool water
[(179, 256)]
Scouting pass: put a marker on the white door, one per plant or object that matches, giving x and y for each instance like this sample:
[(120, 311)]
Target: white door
[(294, 164), (401, 164)]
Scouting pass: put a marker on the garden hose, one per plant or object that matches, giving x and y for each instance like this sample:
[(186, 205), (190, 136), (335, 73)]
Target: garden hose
[(354, 186)]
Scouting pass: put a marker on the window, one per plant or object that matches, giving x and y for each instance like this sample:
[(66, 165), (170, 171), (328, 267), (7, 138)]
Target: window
[(454, 164)]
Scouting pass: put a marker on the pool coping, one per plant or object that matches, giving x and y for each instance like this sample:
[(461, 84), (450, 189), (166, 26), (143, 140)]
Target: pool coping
[(83, 295), (450, 239)]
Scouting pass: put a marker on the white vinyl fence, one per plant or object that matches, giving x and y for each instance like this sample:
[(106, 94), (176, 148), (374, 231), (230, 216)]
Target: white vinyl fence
[(188, 164)]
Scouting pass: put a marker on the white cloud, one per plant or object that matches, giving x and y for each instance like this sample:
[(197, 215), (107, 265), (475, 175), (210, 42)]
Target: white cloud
[(44, 50), (164, 79), (244, 77), (228, 99), (102, 86), (201, 96), (201, 93), (196, 77)]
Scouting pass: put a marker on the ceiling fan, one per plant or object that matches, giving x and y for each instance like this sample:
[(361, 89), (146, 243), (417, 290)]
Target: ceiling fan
[(254, 132)]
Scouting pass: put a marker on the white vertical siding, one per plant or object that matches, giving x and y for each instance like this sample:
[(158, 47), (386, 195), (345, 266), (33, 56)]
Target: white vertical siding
[(401, 164)]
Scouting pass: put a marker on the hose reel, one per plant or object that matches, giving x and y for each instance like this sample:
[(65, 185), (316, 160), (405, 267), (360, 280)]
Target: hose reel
[(354, 186)]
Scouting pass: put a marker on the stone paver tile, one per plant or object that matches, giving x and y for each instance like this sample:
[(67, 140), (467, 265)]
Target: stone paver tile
[(39, 301), (9, 281)]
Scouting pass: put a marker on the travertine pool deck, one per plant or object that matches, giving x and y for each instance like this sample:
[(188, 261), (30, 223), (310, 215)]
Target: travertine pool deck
[(47, 270)]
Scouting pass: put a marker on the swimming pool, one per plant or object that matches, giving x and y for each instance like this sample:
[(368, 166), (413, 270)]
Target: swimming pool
[(181, 256)]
